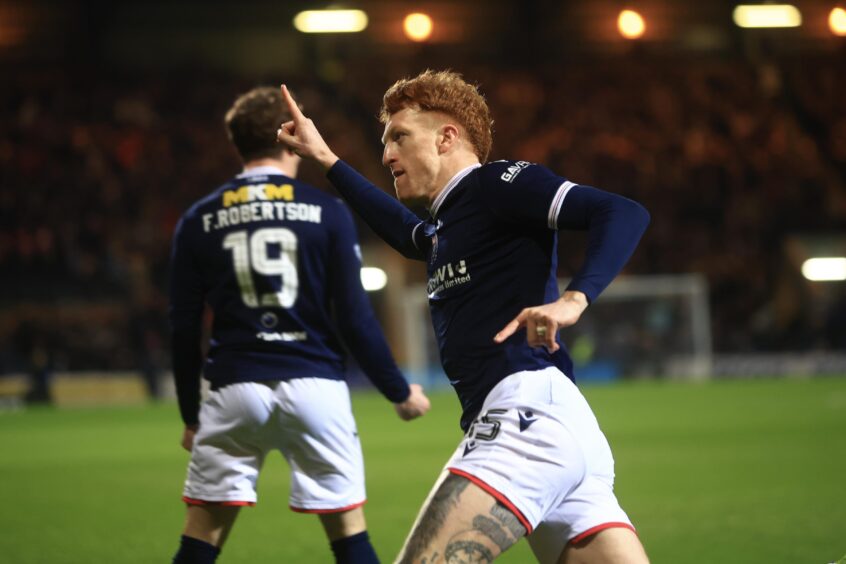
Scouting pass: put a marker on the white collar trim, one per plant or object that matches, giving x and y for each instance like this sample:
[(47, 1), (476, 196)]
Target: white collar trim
[(266, 170), (449, 186)]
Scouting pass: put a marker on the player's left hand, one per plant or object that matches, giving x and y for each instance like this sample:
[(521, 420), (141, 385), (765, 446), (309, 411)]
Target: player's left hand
[(188, 436), (543, 322)]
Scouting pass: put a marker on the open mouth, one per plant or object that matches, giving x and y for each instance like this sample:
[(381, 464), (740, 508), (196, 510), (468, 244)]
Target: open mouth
[(397, 173)]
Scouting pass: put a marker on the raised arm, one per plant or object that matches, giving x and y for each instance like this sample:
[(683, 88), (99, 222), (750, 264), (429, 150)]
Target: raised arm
[(391, 220)]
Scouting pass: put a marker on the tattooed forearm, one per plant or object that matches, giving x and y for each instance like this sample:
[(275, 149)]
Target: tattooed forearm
[(493, 531), (508, 519), (467, 552)]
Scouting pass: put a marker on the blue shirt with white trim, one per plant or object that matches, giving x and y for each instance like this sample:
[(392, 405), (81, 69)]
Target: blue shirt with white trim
[(490, 245), (278, 263)]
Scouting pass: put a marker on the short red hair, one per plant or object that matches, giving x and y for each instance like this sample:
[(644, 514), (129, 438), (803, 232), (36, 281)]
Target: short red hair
[(447, 92)]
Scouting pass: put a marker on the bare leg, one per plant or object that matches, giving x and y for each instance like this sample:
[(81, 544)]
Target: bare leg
[(615, 545), (343, 524), (461, 522), (210, 523)]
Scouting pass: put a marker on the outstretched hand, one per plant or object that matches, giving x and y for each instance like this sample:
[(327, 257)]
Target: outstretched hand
[(301, 136), (543, 322), (416, 405)]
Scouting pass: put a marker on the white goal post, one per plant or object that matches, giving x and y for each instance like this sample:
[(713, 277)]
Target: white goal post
[(641, 326)]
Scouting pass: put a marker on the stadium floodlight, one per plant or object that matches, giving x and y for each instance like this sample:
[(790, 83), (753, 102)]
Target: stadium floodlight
[(630, 24), (417, 26), (330, 21), (837, 21), (373, 278), (824, 269), (767, 15)]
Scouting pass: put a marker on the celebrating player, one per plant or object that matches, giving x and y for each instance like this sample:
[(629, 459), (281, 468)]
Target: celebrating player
[(533, 460), (272, 256)]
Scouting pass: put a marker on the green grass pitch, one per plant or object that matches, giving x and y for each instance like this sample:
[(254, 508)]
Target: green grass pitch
[(740, 471)]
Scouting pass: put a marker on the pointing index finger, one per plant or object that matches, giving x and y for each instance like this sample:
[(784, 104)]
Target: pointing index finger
[(511, 328), (296, 114)]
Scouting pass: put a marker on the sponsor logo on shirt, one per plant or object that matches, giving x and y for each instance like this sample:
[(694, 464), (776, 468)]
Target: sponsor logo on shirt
[(258, 192), (448, 276), (514, 170), (287, 336)]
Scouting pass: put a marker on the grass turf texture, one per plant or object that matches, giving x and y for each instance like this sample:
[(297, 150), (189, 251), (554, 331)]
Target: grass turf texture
[(716, 472)]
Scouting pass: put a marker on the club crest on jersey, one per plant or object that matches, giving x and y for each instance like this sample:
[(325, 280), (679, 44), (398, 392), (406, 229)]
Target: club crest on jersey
[(269, 319), (431, 231)]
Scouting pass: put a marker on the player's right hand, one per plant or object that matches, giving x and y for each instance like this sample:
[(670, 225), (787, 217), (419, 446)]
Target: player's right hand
[(301, 136), (416, 405), (188, 436)]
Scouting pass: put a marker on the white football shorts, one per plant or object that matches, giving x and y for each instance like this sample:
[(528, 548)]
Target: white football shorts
[(308, 419), (537, 448)]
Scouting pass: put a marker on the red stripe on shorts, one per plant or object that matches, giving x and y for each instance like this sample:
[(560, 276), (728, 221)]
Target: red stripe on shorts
[(192, 501), (324, 511), (499, 497), (593, 530)]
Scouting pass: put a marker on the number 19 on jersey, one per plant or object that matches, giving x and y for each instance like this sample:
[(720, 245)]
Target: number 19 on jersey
[(250, 254)]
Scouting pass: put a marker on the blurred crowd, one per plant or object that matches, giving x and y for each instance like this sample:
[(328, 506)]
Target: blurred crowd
[(731, 159)]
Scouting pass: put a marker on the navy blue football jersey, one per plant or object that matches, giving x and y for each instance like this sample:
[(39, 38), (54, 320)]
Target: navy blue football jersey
[(490, 246), (279, 265)]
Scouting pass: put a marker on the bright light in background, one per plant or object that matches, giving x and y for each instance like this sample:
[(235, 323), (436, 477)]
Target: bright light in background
[(837, 21), (373, 278), (824, 269), (767, 15), (630, 24), (417, 26), (330, 21)]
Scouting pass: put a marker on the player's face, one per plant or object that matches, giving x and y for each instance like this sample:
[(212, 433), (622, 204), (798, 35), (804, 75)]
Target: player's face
[(411, 152)]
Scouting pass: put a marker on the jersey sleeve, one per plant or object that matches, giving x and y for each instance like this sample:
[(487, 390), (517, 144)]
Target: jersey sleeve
[(614, 224), (391, 220), (520, 191), (187, 296), (525, 192), (355, 318)]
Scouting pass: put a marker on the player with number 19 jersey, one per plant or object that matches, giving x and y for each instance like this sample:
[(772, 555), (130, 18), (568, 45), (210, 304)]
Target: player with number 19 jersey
[(272, 257)]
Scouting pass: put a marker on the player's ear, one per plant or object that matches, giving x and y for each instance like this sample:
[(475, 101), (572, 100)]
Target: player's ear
[(448, 138)]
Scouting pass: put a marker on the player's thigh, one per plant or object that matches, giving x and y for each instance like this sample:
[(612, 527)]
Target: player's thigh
[(317, 435), (461, 522), (229, 446), (609, 546), (234, 416)]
